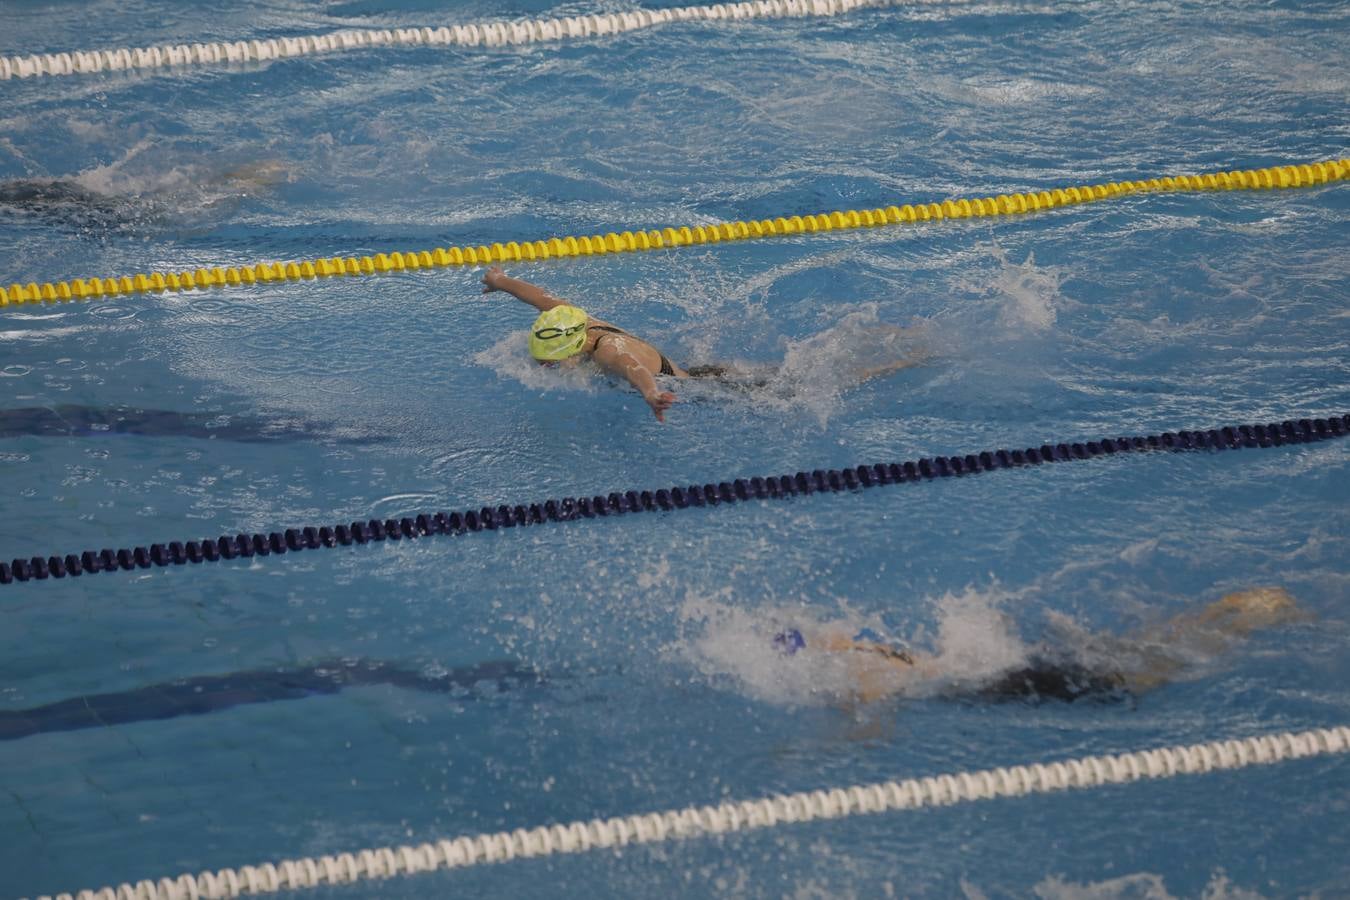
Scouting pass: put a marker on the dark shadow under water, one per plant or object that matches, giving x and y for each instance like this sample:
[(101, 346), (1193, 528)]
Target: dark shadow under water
[(211, 693), (75, 420)]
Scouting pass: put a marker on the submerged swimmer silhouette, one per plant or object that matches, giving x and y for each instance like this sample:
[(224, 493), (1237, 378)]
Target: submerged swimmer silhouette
[(210, 693), (63, 200), (72, 204), (564, 334), (878, 668)]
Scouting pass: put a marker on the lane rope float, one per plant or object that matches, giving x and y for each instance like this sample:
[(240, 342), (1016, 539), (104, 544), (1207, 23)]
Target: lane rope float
[(666, 499), (480, 34), (1276, 177), (695, 821)]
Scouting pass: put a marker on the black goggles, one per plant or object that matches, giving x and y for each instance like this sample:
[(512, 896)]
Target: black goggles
[(548, 334)]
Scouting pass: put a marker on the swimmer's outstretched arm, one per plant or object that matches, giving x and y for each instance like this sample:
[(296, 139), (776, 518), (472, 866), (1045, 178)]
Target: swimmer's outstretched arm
[(917, 357), (615, 357), (540, 299), (877, 671), (867, 374)]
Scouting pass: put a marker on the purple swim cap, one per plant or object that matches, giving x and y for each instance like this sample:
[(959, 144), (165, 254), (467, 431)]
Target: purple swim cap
[(789, 641)]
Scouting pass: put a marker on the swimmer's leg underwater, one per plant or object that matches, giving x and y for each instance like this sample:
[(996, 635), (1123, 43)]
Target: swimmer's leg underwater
[(1156, 655)]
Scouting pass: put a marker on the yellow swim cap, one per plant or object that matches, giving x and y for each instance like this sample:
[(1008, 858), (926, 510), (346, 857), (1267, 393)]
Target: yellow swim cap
[(558, 334)]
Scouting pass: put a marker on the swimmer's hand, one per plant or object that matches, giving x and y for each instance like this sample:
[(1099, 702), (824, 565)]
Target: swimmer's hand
[(659, 401), (492, 279)]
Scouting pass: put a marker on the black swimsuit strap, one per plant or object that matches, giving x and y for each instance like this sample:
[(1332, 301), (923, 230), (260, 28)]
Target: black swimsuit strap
[(608, 329), (666, 367)]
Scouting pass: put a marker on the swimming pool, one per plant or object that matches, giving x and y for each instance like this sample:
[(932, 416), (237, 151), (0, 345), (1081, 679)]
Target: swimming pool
[(380, 397)]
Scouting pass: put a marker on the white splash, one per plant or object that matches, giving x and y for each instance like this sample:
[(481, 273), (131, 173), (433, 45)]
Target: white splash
[(734, 646), (972, 640), (1029, 295), (510, 359), (1137, 886), (817, 370), (976, 639)]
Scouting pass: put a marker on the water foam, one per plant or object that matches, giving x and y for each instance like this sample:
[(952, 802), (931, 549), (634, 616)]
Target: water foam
[(972, 639), (1028, 295), (818, 370), (509, 358), (1136, 886)]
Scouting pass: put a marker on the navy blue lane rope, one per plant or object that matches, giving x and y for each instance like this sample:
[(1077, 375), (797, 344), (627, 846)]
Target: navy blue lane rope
[(568, 508)]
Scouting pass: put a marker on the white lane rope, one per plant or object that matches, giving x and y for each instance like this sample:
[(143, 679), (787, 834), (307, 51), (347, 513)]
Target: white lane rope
[(482, 34), (575, 837)]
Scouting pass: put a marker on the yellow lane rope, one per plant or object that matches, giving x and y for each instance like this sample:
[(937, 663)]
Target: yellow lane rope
[(626, 241)]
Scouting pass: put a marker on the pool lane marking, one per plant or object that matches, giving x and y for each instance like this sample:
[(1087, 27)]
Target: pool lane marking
[(479, 34), (948, 789), (1273, 178), (666, 499)]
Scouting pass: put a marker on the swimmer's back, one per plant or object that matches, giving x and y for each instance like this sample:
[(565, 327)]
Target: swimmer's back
[(1044, 679)]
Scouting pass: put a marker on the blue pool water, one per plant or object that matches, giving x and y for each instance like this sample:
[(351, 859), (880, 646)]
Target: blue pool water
[(343, 399)]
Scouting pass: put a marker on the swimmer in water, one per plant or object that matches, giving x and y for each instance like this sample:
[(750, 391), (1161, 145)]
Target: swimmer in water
[(564, 334), (879, 668), (67, 202), (71, 203)]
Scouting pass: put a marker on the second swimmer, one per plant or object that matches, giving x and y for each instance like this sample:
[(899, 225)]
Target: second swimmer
[(564, 335)]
